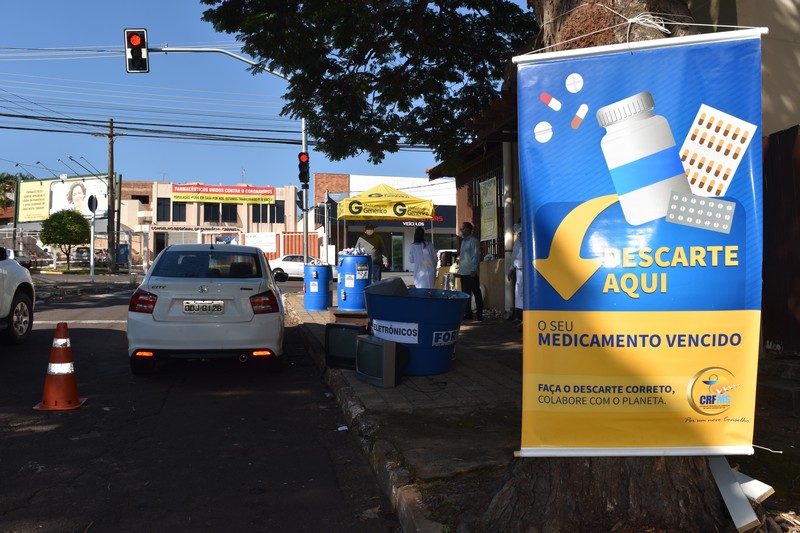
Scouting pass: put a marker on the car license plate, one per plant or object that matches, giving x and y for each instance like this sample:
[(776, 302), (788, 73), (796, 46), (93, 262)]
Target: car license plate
[(203, 307)]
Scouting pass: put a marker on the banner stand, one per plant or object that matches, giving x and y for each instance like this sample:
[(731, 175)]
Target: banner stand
[(735, 499), (641, 194)]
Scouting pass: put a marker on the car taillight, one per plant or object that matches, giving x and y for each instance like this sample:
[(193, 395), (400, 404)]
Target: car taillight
[(142, 302), (266, 302)]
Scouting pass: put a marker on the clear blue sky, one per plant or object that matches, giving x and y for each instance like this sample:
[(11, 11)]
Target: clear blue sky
[(188, 89)]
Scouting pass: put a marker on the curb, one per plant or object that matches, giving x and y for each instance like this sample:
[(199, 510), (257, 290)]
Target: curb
[(385, 459), (55, 292)]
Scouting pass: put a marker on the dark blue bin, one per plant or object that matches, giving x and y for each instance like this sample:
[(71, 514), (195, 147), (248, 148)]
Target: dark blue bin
[(355, 273), (317, 287), (426, 321)]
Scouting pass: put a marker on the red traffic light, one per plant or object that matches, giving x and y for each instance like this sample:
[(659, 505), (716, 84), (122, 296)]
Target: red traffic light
[(136, 53), (303, 167)]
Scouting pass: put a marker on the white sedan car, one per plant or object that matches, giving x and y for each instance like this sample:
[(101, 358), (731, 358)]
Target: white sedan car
[(293, 265), (207, 301)]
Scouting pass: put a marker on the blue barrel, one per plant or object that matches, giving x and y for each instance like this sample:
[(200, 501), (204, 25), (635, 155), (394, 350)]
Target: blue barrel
[(317, 287), (355, 273), (426, 322)]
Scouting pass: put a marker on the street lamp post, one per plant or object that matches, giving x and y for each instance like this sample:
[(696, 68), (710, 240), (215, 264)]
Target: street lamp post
[(79, 164), (23, 167), (45, 166), (69, 167), (88, 163)]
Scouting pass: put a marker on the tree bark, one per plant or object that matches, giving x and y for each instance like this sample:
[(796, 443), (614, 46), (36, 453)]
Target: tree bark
[(571, 24), (620, 494)]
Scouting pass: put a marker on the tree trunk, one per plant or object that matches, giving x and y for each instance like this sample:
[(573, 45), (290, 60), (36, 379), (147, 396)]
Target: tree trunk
[(571, 24), (620, 494)]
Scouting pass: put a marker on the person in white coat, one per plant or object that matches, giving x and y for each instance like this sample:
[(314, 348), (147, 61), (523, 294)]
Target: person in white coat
[(515, 272), (422, 255)]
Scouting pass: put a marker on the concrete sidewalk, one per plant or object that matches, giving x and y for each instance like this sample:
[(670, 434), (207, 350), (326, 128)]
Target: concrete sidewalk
[(431, 429)]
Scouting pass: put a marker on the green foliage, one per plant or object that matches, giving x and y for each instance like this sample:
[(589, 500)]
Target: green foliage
[(8, 184), (65, 229), (370, 75)]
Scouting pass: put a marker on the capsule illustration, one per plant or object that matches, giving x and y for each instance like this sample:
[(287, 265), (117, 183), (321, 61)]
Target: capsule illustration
[(550, 101), (580, 114)]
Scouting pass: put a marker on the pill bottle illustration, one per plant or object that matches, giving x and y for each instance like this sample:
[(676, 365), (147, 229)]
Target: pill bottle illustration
[(642, 157)]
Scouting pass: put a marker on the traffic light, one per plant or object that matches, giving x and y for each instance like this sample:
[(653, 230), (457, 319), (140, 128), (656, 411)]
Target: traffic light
[(136, 59), (302, 157), (299, 200)]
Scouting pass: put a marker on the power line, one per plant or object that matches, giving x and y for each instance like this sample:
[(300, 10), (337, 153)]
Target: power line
[(154, 130), (82, 101), (103, 123)]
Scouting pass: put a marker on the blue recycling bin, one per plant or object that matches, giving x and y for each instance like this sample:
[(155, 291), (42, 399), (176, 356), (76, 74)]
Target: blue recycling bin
[(317, 287), (425, 321), (355, 273)]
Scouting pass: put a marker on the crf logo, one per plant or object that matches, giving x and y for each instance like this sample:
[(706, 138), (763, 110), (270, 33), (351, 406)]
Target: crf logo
[(399, 209), (356, 207)]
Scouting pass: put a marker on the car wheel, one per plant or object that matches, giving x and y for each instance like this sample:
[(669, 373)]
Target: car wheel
[(143, 366), (20, 320)]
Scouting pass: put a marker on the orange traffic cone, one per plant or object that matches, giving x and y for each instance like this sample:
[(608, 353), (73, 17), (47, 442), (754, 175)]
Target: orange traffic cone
[(60, 389)]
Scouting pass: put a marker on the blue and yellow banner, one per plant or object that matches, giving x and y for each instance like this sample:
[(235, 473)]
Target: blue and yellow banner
[(641, 195)]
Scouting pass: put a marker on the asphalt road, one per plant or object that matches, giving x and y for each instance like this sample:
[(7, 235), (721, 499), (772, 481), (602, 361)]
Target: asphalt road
[(198, 447)]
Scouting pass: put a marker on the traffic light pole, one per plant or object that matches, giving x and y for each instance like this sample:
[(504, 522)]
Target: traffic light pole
[(305, 195), (304, 138)]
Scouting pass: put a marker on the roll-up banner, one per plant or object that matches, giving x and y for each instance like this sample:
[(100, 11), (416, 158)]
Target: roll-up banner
[(641, 194)]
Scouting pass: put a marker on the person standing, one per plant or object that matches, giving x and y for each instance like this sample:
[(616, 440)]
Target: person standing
[(372, 243), (422, 255), (515, 272), (469, 258)]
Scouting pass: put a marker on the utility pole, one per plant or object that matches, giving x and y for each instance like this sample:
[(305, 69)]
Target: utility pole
[(112, 205)]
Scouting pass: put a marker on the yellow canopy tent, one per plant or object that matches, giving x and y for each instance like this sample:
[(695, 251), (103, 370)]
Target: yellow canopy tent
[(385, 203)]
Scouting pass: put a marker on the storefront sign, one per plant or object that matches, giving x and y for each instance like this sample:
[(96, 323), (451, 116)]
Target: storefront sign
[(488, 194), (224, 194)]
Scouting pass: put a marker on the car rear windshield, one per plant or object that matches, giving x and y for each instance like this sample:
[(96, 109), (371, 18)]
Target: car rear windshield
[(210, 264)]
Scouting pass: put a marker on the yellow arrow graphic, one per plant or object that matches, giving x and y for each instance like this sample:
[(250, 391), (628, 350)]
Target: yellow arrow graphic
[(564, 269)]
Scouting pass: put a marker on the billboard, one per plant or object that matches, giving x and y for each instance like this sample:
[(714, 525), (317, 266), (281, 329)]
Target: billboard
[(641, 195), (38, 199)]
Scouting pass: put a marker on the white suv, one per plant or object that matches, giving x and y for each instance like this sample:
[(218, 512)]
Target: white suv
[(16, 300)]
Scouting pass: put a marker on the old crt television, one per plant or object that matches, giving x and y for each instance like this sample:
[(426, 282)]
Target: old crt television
[(340, 344), (380, 362)]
